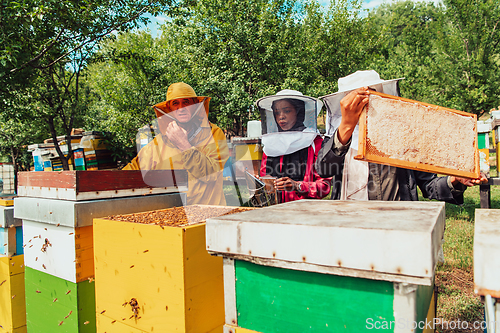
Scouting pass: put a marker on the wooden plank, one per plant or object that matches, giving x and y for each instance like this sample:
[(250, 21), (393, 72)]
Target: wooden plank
[(373, 155), (231, 314), (8, 241), (71, 194), (178, 285), (278, 300), (151, 271), (203, 280), (103, 180), (12, 301), (56, 250), (7, 218), (484, 196), (6, 202), (431, 314), (57, 179), (235, 329), (82, 213), (22, 329), (302, 266), (399, 238), (487, 252), (57, 305)]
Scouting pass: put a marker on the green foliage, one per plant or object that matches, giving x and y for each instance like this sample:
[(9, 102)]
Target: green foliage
[(448, 54)]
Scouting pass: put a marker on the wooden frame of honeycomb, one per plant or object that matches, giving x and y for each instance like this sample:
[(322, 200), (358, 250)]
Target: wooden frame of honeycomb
[(419, 136)]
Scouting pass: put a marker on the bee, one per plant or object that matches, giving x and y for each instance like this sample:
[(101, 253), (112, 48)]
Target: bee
[(103, 311), (86, 323), (61, 322), (145, 251), (44, 266), (55, 300), (71, 233), (114, 321), (132, 266), (68, 293), (13, 296), (38, 291)]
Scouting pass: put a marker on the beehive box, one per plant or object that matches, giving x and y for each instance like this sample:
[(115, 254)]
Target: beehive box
[(59, 254), (162, 264), (12, 301), (57, 305), (61, 251), (11, 234), (419, 136), (343, 265), (11, 241), (100, 184), (247, 156), (487, 252)]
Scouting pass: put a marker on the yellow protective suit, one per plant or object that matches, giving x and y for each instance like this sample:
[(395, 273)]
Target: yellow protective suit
[(204, 163)]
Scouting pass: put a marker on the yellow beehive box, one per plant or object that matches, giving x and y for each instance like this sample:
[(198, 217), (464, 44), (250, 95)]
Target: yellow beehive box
[(12, 300), (177, 285)]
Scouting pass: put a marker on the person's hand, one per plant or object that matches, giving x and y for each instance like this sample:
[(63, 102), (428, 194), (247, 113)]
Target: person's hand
[(286, 184), (351, 107), (469, 181), (178, 136)]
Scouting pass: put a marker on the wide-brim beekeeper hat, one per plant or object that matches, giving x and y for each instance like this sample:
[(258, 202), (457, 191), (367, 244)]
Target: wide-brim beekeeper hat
[(359, 79), (312, 108), (180, 90)]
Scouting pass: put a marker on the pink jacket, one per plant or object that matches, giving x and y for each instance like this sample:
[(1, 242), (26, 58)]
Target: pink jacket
[(313, 186)]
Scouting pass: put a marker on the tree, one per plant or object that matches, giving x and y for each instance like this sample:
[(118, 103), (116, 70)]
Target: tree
[(468, 66), (127, 79), (407, 47), (50, 43), (235, 52)]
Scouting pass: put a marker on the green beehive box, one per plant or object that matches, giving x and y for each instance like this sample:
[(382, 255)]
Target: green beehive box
[(67, 306), (329, 266)]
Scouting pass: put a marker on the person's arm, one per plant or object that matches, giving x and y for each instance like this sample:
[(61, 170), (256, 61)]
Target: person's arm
[(205, 163), (330, 158), (317, 187), (440, 188), (331, 155)]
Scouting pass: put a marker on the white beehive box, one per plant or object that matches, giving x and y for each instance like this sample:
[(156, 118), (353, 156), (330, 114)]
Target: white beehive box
[(487, 252), (392, 241)]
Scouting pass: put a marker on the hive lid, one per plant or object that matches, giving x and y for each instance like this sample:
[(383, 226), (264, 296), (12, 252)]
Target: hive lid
[(100, 184), (487, 252), (395, 241)]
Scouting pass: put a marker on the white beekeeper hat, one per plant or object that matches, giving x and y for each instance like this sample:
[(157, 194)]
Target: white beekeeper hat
[(312, 107), (368, 78)]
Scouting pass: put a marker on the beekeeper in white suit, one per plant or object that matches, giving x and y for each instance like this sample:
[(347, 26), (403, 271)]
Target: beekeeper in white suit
[(359, 180)]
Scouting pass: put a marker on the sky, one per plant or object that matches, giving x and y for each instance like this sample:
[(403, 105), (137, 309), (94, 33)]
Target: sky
[(156, 22)]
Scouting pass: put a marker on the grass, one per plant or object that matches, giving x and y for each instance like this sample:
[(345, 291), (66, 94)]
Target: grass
[(454, 278)]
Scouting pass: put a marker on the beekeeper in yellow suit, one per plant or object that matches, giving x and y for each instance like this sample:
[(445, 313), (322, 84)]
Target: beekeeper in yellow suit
[(188, 141)]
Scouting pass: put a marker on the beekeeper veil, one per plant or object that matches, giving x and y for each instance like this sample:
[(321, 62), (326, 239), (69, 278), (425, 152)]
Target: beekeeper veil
[(279, 141)]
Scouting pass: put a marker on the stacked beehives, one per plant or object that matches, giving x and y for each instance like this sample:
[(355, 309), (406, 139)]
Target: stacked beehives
[(153, 273), (12, 304), (57, 211)]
